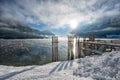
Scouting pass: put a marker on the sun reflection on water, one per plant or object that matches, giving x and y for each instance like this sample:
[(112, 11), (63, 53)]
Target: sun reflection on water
[(74, 48)]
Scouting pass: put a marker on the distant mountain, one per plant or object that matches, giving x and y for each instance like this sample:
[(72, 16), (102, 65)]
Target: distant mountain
[(11, 29), (47, 32)]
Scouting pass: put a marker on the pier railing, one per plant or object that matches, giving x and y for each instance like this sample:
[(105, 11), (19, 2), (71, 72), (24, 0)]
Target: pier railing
[(87, 47), (83, 47)]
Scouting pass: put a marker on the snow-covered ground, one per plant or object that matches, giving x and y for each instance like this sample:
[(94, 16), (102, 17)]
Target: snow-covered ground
[(104, 67)]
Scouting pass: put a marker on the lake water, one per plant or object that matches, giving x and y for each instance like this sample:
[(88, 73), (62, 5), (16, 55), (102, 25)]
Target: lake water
[(30, 51), (21, 52)]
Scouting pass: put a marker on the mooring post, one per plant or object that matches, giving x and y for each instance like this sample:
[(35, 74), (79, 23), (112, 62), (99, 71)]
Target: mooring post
[(70, 48), (79, 48), (54, 48), (84, 46), (111, 47)]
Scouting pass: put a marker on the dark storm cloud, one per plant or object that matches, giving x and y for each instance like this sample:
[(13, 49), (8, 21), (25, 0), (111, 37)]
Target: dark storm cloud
[(101, 28), (89, 15)]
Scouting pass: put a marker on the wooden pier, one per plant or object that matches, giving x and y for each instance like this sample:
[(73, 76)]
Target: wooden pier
[(92, 47), (83, 47)]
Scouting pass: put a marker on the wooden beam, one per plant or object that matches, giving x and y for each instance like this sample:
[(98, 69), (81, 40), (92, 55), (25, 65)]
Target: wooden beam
[(54, 48), (107, 44)]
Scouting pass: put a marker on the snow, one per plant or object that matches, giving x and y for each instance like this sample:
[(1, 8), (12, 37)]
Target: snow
[(104, 67)]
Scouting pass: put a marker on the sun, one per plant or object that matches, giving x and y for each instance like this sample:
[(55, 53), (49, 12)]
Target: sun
[(73, 24)]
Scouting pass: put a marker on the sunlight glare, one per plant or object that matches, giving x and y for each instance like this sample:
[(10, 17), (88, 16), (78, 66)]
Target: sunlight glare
[(73, 24), (74, 48)]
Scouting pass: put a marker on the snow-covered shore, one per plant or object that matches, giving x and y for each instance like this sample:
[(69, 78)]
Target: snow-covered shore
[(104, 67)]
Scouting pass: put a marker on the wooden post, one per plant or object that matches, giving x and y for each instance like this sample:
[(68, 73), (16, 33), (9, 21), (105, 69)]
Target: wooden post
[(79, 48), (111, 47), (54, 48), (70, 47), (85, 46), (76, 47)]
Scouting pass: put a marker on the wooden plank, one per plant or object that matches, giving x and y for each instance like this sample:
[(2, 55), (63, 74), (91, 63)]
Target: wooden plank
[(93, 51), (108, 44)]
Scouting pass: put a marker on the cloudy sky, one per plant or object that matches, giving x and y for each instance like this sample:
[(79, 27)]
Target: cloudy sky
[(64, 16)]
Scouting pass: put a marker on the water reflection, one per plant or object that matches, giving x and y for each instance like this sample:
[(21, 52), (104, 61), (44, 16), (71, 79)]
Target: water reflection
[(30, 51)]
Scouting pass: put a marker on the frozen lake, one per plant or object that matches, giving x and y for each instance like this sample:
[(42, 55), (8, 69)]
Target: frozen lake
[(30, 51)]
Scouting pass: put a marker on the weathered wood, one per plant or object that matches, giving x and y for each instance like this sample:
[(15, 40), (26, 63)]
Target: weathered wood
[(54, 48), (107, 44), (76, 47), (93, 51), (70, 48), (79, 48), (84, 48), (97, 47), (85, 45)]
